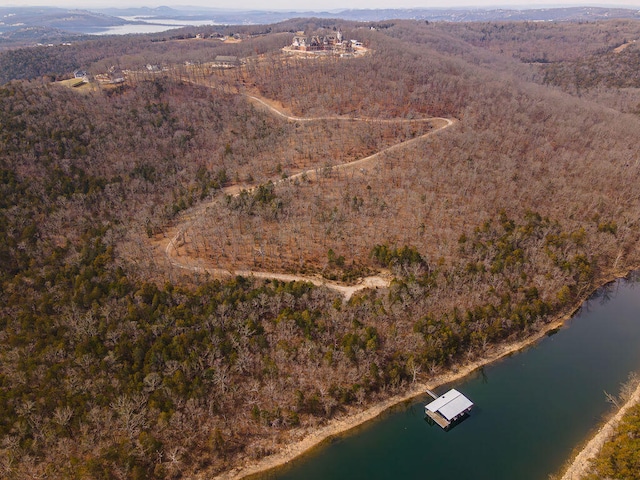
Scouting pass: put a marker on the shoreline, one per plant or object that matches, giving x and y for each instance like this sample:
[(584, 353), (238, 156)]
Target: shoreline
[(340, 426), (580, 464)]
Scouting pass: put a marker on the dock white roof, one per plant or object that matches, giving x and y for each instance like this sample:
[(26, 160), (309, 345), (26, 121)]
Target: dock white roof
[(450, 405)]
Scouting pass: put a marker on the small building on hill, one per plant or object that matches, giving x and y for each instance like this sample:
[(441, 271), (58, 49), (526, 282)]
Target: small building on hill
[(227, 61), (299, 41)]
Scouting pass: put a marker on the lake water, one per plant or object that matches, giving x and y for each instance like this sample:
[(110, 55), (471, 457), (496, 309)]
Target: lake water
[(150, 25), (532, 408), (132, 29)]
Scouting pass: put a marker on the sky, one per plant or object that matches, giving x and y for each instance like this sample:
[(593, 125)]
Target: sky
[(325, 5)]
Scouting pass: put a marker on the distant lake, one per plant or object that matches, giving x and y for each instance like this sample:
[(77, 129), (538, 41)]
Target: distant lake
[(532, 408), (151, 25)]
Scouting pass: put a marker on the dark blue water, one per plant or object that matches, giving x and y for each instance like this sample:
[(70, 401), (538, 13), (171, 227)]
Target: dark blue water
[(532, 408)]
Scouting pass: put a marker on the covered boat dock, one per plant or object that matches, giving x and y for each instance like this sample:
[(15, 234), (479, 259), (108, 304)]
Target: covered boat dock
[(448, 408)]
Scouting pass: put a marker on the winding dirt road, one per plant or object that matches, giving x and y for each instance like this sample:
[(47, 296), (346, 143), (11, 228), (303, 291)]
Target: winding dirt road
[(178, 234)]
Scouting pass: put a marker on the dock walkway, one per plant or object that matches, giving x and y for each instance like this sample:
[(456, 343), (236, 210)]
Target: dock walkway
[(439, 419)]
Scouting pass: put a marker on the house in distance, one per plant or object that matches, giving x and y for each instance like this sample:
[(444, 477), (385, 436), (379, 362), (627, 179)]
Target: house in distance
[(330, 43)]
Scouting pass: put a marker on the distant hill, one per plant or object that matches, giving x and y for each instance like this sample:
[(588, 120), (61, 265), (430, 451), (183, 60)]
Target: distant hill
[(431, 14), (62, 18), (485, 15), (28, 25)]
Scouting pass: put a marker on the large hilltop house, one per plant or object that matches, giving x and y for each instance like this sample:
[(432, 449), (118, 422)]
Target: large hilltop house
[(330, 43)]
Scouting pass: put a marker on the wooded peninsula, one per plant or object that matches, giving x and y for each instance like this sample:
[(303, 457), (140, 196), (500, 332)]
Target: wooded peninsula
[(177, 222)]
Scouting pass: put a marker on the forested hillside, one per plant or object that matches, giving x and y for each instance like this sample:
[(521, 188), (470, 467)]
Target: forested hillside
[(620, 456), (115, 362)]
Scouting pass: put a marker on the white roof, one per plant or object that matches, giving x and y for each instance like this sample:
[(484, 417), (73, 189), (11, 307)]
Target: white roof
[(450, 405)]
